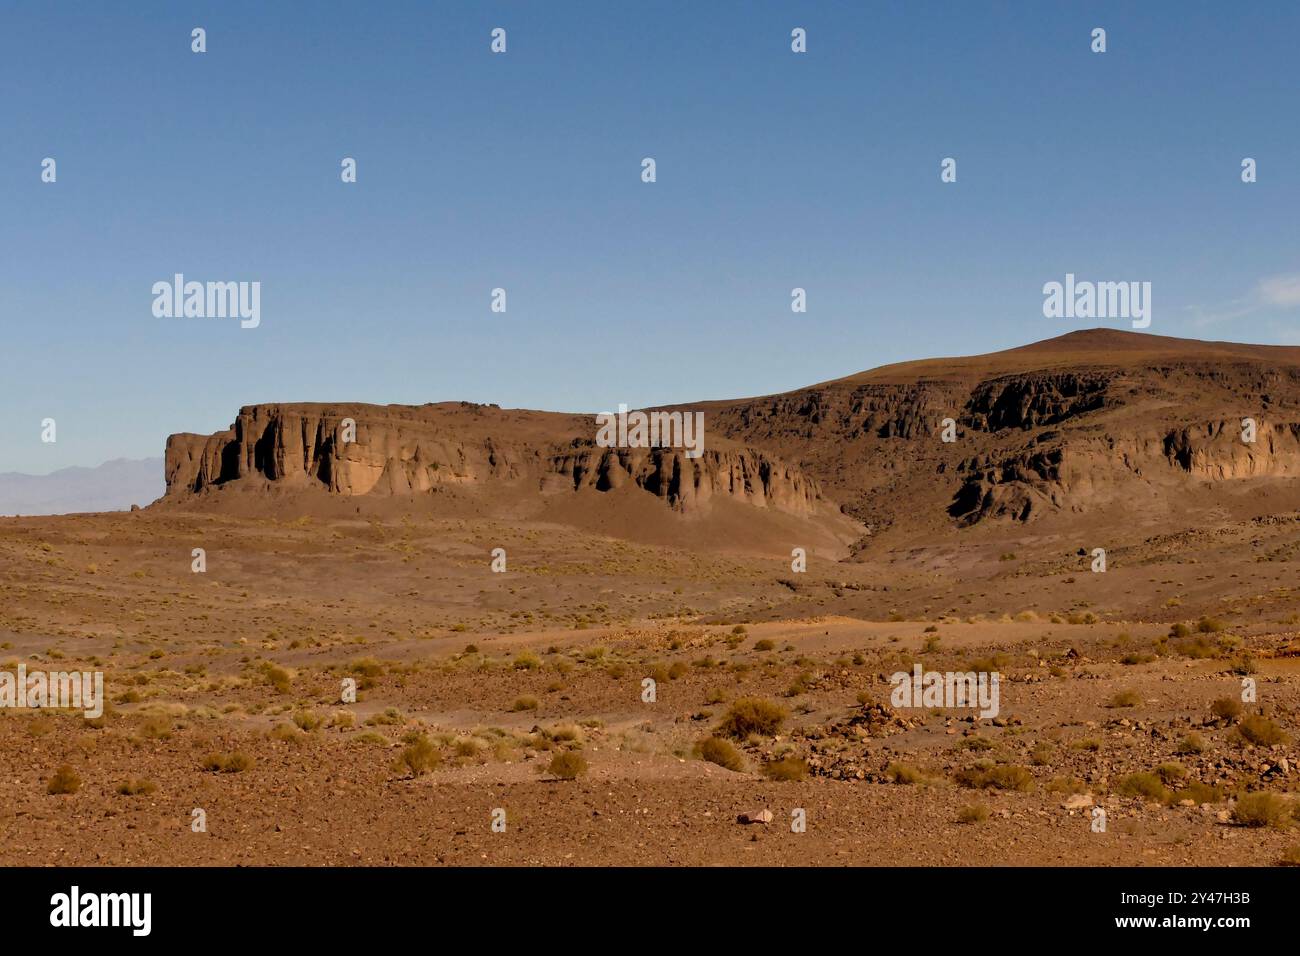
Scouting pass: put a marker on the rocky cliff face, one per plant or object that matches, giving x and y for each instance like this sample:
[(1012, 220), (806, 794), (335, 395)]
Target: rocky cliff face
[(1070, 426), (407, 451), (1101, 417)]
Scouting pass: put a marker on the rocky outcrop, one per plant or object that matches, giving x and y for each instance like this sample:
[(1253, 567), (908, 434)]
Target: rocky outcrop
[(368, 450), (1032, 401), (686, 483), (1067, 425), (1071, 425)]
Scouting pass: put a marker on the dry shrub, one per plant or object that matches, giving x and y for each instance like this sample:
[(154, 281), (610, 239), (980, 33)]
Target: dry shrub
[(721, 752), (1260, 731), (133, 787), (1226, 708), (65, 780), (1148, 786), (308, 719), (789, 769), (567, 765), (752, 715), (420, 756), (235, 762), (1001, 777), (1262, 809), (904, 773)]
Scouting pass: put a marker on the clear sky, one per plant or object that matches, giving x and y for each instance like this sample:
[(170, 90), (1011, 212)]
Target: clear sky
[(523, 171)]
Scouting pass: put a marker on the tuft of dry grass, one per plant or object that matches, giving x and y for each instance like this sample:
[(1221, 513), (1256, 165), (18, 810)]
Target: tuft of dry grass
[(1226, 708), (134, 787), (1262, 809), (788, 769), (1148, 786), (721, 752), (1001, 777), (278, 677), (1260, 731), (752, 715), (308, 719), (420, 756), (567, 765), (65, 780), (1124, 698), (235, 762), (904, 773)]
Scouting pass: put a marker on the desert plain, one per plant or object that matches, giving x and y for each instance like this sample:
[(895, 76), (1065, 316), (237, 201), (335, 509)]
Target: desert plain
[(564, 654)]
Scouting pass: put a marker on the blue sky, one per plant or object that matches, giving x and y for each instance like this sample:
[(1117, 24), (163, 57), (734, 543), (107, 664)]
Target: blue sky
[(522, 171)]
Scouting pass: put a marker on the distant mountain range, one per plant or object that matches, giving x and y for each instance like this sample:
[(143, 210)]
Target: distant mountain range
[(113, 486)]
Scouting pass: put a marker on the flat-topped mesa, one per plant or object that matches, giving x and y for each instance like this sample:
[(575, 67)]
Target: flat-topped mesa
[(401, 450)]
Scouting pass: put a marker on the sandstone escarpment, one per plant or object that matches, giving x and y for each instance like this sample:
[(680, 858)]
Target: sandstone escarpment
[(1062, 427), (1088, 422), (686, 483), (404, 451)]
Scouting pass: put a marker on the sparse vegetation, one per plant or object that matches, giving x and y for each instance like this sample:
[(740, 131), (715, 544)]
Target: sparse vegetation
[(65, 780), (1000, 777), (1124, 698), (1145, 785), (1261, 809), (1226, 708), (1260, 731), (787, 769), (235, 762), (752, 715), (722, 752), (567, 765), (420, 756), (134, 787)]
